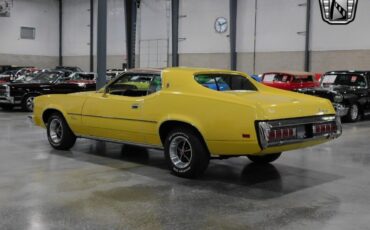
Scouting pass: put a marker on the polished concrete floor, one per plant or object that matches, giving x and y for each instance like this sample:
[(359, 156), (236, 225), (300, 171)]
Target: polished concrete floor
[(105, 186)]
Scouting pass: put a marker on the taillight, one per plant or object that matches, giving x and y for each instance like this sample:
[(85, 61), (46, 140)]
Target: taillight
[(324, 128), (278, 134)]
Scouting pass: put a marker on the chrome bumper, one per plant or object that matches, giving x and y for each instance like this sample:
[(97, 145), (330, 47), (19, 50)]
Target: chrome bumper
[(304, 134), (340, 109)]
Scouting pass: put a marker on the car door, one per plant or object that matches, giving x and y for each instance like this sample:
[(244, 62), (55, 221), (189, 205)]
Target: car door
[(113, 117), (116, 116)]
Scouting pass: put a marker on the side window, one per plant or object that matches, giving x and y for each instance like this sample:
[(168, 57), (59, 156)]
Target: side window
[(224, 82), (134, 85), (155, 85)]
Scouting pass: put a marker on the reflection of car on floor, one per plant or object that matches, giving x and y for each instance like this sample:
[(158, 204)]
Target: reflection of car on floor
[(180, 112), (290, 80), (348, 91), (23, 94)]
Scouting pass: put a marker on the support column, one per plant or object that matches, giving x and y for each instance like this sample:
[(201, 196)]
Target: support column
[(233, 16), (307, 55), (102, 44), (175, 6), (60, 32), (130, 15), (91, 35)]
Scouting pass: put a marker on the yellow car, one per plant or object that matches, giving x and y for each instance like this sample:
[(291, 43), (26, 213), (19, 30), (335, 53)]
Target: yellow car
[(193, 114)]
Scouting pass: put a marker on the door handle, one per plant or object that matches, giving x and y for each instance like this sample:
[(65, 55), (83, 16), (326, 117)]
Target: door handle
[(135, 106)]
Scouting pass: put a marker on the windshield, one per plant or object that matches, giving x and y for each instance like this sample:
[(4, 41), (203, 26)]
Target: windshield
[(45, 78), (354, 80), (225, 82), (273, 77)]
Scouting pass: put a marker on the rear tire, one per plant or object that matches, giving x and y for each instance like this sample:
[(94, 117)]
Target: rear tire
[(264, 159), (59, 134), (186, 154)]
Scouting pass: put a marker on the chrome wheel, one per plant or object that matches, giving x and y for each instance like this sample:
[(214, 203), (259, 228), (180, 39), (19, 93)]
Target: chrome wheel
[(180, 151), (56, 131), (354, 112), (29, 103)]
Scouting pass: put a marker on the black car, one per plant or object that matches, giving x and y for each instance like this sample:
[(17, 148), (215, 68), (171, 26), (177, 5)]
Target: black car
[(53, 82), (349, 91), (69, 68)]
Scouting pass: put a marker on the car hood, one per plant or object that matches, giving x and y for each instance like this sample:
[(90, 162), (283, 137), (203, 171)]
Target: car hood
[(275, 105)]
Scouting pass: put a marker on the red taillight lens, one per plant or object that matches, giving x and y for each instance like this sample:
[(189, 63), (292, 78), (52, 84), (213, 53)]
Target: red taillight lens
[(324, 128), (282, 134)]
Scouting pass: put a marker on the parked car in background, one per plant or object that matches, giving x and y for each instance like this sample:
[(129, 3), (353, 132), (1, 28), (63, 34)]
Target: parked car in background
[(82, 77), (51, 82), (256, 77), (7, 76), (318, 76), (290, 80), (349, 91), (178, 110), (70, 68), (113, 73)]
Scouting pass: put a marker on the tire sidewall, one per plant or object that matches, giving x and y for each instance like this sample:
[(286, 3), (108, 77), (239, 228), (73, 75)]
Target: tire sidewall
[(174, 167), (200, 155), (24, 102), (61, 120)]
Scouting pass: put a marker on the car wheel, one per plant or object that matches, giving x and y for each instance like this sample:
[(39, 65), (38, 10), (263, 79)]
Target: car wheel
[(59, 134), (27, 103), (7, 107), (186, 154), (353, 113), (264, 159)]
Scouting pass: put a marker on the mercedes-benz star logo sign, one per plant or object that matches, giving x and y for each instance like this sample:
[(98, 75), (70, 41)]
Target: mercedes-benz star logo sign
[(338, 12)]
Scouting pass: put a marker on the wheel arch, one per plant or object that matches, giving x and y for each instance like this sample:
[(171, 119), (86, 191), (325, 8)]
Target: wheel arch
[(48, 112), (166, 126)]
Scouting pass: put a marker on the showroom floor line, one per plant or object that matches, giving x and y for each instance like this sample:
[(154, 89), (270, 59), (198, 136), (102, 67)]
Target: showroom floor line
[(107, 186)]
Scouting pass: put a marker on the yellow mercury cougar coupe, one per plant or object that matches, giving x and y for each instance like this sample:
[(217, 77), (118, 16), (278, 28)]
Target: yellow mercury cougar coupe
[(193, 114)]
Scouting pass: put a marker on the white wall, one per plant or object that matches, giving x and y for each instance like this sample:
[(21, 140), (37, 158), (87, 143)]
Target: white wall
[(41, 14), (198, 26)]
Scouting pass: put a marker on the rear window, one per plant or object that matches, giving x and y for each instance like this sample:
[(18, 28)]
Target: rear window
[(224, 82), (302, 78), (271, 77)]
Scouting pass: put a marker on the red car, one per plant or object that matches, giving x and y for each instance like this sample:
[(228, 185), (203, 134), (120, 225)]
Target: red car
[(290, 80)]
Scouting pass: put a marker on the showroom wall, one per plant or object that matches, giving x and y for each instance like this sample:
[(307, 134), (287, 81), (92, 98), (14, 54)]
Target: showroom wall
[(41, 52), (277, 46), (76, 33)]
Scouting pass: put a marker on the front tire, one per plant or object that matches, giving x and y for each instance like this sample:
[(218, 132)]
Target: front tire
[(27, 103), (353, 113), (59, 134), (186, 154), (264, 159)]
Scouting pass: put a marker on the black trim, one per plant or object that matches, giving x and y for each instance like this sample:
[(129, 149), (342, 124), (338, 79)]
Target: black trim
[(114, 118)]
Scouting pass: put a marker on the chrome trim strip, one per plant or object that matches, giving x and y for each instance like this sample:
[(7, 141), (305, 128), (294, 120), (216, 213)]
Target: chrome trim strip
[(301, 121), (114, 118), (119, 141)]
